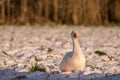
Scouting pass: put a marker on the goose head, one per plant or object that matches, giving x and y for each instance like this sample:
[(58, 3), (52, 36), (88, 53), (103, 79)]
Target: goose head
[(74, 35)]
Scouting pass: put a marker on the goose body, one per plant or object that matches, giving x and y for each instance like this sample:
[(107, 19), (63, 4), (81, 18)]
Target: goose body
[(74, 60)]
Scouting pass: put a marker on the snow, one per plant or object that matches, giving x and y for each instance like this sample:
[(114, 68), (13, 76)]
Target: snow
[(20, 45)]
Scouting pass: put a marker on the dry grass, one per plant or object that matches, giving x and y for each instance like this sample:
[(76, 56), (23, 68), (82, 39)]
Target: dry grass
[(88, 12)]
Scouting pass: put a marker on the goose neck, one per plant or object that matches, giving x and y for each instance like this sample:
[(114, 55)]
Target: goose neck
[(76, 46)]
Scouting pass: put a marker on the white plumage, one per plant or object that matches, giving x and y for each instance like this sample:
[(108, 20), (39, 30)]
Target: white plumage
[(74, 60)]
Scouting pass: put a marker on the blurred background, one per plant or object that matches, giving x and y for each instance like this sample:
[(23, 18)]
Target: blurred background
[(71, 12)]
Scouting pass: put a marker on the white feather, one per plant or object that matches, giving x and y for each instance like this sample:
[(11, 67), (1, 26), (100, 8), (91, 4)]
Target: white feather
[(75, 60)]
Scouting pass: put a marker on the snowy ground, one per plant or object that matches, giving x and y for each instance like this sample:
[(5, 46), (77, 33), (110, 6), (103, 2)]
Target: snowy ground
[(20, 45)]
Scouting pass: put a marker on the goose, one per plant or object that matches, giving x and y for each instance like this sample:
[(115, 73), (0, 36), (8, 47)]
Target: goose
[(74, 60)]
